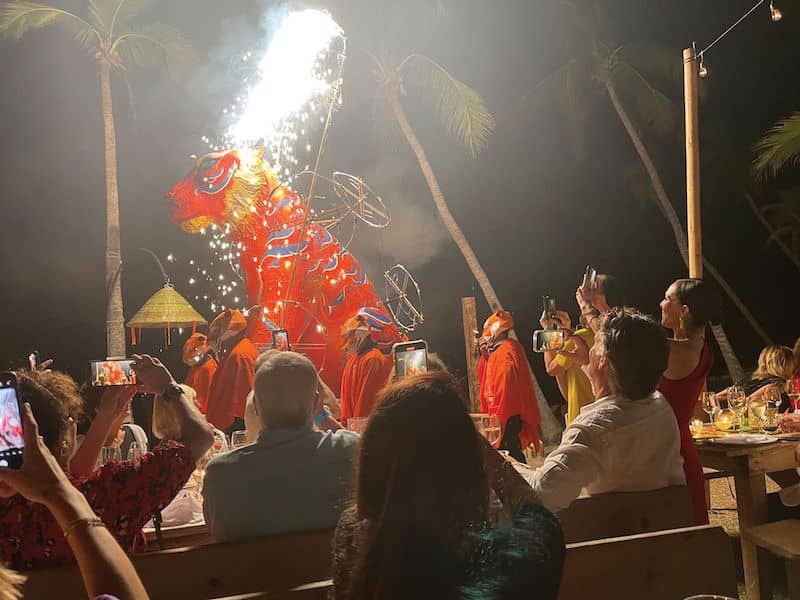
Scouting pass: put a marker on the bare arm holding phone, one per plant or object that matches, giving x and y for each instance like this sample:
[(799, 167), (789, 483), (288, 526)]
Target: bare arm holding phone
[(104, 566), (195, 432)]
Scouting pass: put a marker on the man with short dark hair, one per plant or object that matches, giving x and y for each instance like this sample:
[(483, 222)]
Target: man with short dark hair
[(628, 439), (292, 478)]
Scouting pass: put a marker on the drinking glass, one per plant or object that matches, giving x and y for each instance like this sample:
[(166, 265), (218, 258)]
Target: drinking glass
[(738, 403), (755, 410), (134, 451), (490, 428), (794, 401), (770, 421), (709, 404), (109, 453), (238, 438)]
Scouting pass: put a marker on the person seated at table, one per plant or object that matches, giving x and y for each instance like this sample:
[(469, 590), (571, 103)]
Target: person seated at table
[(292, 478), (774, 371), (418, 525), (794, 386), (104, 566), (124, 494), (627, 440)]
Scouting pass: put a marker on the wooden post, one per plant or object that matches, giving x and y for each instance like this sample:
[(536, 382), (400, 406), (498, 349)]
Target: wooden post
[(692, 129), (469, 315)]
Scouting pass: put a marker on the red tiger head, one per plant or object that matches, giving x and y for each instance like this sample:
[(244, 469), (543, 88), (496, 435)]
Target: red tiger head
[(223, 188)]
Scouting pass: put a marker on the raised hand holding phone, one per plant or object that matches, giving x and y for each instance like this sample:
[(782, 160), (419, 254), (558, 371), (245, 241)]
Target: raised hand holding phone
[(11, 431)]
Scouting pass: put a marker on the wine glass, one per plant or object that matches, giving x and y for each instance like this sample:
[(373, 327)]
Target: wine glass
[(490, 428), (709, 404), (109, 453), (134, 451), (238, 439), (737, 401)]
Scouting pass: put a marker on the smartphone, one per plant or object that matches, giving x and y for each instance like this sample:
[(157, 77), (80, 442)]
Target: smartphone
[(280, 340), (33, 360), (112, 372), (550, 308), (11, 441), (548, 339), (591, 275), (410, 358)]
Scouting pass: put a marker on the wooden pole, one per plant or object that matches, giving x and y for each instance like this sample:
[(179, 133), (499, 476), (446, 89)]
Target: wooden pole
[(469, 315), (692, 129)]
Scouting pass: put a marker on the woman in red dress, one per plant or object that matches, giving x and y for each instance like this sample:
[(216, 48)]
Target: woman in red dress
[(687, 309)]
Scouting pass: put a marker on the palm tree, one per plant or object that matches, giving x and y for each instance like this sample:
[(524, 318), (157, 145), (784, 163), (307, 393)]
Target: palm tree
[(629, 76), (464, 115), (111, 36), (779, 147)]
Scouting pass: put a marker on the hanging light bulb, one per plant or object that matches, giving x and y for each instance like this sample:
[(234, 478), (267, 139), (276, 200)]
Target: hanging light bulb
[(775, 13), (702, 71)]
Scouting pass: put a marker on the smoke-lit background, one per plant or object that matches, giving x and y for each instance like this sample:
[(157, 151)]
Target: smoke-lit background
[(534, 214)]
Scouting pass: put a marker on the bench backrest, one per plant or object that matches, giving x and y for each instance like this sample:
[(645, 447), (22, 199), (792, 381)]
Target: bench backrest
[(272, 565), (626, 513), (666, 565)]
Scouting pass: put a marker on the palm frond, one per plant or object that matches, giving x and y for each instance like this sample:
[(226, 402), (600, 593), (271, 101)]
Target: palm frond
[(653, 111), (779, 147), (154, 44), (18, 18), (111, 16), (461, 109)]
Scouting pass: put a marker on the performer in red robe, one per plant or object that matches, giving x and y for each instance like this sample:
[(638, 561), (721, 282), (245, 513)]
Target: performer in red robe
[(202, 367), (368, 365), (508, 389), (234, 377)]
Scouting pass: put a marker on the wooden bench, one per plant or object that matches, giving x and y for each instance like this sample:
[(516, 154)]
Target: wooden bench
[(782, 539), (656, 566), (668, 565), (271, 565), (626, 513)]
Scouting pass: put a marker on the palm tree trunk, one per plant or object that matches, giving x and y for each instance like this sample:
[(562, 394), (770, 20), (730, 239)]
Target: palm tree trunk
[(115, 323), (551, 430), (668, 210)]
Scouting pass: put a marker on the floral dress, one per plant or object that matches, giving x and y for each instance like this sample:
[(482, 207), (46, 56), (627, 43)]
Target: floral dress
[(123, 494)]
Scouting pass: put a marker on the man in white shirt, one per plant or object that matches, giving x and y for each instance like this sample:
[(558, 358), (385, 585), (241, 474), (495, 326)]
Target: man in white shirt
[(628, 439)]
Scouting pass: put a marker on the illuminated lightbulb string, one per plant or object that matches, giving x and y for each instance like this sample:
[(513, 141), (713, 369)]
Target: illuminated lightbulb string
[(775, 14)]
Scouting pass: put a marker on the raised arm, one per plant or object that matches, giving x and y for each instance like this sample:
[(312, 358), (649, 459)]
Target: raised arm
[(113, 408), (105, 568), (193, 431)]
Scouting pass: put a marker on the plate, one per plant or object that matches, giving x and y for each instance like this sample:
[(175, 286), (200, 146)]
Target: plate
[(746, 439)]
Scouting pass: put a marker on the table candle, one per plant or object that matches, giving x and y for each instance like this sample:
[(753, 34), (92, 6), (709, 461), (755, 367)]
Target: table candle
[(696, 426), (725, 420)]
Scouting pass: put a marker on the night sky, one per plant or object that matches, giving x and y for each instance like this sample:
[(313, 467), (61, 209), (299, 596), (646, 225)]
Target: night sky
[(534, 213)]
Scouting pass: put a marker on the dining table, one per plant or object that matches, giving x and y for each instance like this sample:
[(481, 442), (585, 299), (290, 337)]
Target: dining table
[(749, 464)]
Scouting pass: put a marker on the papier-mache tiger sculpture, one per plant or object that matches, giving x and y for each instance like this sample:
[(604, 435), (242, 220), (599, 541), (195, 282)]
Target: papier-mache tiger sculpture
[(237, 189)]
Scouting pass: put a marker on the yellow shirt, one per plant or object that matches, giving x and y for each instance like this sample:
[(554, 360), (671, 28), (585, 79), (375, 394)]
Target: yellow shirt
[(579, 390)]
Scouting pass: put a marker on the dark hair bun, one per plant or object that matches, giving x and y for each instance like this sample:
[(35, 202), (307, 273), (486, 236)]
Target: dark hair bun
[(702, 299)]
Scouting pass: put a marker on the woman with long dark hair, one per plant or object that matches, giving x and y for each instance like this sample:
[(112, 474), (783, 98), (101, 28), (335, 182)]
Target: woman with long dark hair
[(688, 308), (419, 525)]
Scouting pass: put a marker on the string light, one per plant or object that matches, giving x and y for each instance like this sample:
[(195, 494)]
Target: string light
[(774, 13)]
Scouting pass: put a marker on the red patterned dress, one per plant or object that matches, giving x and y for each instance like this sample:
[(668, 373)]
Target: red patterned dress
[(124, 495)]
